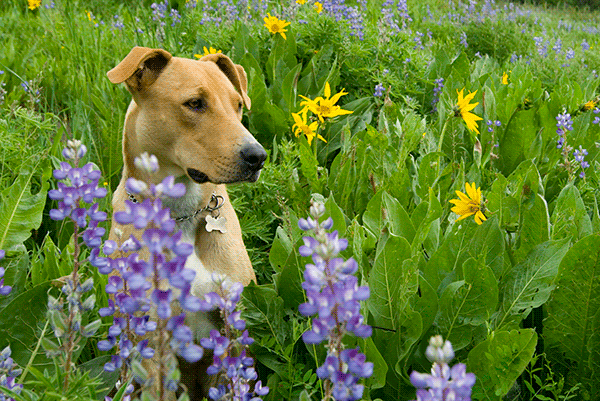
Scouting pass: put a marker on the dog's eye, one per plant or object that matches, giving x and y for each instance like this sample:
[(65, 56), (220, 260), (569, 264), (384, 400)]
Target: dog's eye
[(240, 107), (196, 104)]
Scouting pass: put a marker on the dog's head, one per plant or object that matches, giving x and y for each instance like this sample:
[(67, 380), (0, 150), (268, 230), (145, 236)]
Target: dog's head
[(188, 113)]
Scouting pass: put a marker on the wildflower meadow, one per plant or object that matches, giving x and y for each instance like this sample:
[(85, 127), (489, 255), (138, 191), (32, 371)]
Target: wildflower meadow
[(425, 227)]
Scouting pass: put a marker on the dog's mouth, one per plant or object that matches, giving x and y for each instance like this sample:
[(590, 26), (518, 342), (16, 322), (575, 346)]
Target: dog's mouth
[(201, 178), (197, 176)]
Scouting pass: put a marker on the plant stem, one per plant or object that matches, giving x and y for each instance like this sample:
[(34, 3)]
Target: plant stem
[(70, 345)]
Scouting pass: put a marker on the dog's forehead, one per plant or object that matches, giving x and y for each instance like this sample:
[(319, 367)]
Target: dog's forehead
[(183, 72)]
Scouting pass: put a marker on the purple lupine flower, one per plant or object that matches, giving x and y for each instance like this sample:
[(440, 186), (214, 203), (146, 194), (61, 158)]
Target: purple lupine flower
[(444, 383), (334, 295), (580, 155), (570, 54), (379, 89), (238, 369), (418, 39), (133, 283), (78, 189), (4, 289), (564, 124), (175, 16), (491, 124), (437, 89), (557, 46), (8, 372), (585, 46), (463, 39)]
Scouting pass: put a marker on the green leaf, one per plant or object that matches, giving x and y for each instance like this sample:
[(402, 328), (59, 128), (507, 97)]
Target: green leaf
[(20, 211), (434, 211), (534, 228), (467, 303), (393, 281), (21, 323), (570, 218), (574, 304), (384, 211), (281, 248), (499, 361), (263, 313), (380, 367), (529, 284)]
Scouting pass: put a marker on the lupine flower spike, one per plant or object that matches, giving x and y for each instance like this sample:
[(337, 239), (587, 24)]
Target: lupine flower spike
[(4, 289), (230, 348), (9, 371), (79, 187), (334, 295), (135, 284), (444, 383)]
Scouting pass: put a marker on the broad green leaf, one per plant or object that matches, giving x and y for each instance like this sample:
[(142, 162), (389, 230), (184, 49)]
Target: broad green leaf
[(384, 210), (534, 228), (467, 303), (263, 313), (380, 367), (393, 280), (20, 210), (573, 307), (530, 283), (426, 303), (280, 250), (21, 323), (333, 210), (499, 361), (434, 211), (570, 218), (289, 282)]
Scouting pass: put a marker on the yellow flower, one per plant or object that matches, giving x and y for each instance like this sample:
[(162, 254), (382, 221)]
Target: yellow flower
[(504, 78), (590, 105), (300, 1), (275, 25), (470, 204), (318, 7), (325, 107), (212, 50), (302, 126), (33, 4), (463, 109)]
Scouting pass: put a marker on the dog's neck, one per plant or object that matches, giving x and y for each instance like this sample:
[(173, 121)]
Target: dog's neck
[(196, 198)]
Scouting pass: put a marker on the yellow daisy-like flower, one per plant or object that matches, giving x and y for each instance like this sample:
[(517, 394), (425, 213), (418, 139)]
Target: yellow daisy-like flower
[(463, 109), (504, 78), (275, 25), (470, 204), (318, 7), (302, 126), (212, 50), (325, 107), (590, 105), (33, 4), (301, 2)]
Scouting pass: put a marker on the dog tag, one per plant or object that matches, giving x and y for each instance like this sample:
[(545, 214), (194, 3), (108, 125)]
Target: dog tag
[(217, 223)]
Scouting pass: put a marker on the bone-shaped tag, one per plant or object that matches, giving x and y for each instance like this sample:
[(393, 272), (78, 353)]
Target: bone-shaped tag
[(216, 224)]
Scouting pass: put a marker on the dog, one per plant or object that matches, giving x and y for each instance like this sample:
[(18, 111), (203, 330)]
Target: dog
[(188, 114)]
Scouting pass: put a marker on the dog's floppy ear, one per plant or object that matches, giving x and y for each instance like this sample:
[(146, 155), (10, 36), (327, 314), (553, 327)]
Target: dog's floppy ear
[(234, 72), (140, 68)]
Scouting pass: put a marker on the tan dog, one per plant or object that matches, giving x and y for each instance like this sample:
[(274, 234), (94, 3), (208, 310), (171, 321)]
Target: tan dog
[(188, 113)]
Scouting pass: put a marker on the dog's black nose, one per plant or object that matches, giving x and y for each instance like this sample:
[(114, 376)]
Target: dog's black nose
[(253, 155)]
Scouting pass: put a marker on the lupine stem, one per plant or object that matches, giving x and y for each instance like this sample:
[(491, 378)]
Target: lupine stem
[(69, 346)]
